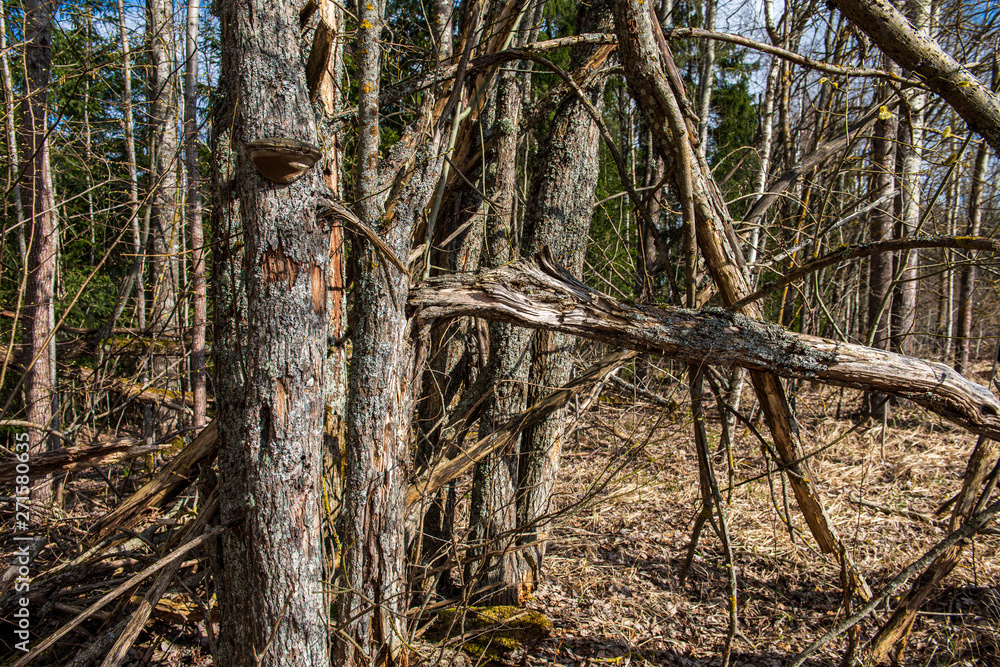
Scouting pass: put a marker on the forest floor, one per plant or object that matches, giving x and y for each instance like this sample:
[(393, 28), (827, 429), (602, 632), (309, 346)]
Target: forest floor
[(625, 502), (612, 588)]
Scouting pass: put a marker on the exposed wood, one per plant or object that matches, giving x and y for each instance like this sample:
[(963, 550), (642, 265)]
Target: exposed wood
[(164, 487), (182, 401), (166, 561), (440, 473), (540, 294)]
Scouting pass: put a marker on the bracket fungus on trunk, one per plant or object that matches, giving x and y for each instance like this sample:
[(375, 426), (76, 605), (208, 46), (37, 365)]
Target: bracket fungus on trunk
[(282, 160)]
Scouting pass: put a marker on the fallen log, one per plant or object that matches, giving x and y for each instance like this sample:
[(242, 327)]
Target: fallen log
[(538, 293)]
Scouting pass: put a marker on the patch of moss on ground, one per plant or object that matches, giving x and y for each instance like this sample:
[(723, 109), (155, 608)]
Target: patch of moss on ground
[(494, 632)]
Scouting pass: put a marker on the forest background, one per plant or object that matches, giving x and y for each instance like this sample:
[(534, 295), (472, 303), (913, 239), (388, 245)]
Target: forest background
[(318, 292)]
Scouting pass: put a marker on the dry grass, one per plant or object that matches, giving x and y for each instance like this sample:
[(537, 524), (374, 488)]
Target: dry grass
[(627, 495), (613, 590)]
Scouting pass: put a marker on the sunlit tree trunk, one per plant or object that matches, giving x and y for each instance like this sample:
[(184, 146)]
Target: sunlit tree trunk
[(968, 275), (163, 161), (371, 619), (706, 79), (967, 286), (270, 352), (493, 518), (136, 281), (165, 215), (911, 139), (14, 184), (39, 388), (880, 229), (198, 286)]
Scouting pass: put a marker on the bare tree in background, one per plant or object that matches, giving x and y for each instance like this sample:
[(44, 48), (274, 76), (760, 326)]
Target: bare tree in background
[(40, 213)]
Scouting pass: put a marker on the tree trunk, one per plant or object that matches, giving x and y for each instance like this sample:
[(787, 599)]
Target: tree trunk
[(880, 229), (39, 388), (493, 515), (911, 140), (198, 287), (13, 183), (163, 158), (968, 275), (559, 213), (968, 278), (706, 79), (371, 619), (138, 244), (270, 373), (165, 228)]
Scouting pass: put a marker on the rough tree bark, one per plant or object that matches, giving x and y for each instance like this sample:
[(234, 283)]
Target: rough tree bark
[(380, 402), (493, 515), (270, 351)]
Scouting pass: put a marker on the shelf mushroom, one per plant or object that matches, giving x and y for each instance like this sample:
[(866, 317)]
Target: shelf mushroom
[(282, 160)]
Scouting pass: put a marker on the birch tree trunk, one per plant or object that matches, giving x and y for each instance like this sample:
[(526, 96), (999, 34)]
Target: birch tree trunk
[(706, 79), (36, 191), (271, 349), (198, 285), (911, 140)]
